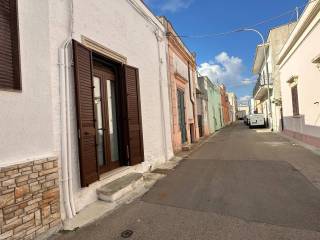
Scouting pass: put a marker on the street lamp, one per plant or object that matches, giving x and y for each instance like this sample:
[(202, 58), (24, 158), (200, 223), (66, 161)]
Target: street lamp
[(267, 68)]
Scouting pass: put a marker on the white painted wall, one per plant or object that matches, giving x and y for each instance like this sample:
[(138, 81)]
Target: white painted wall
[(26, 116), (299, 63), (117, 25)]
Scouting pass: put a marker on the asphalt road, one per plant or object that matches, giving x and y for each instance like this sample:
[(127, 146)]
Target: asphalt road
[(241, 184)]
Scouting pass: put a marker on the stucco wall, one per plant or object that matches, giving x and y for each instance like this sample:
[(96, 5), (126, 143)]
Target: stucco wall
[(214, 108), (26, 116), (179, 61), (211, 110), (299, 63), (277, 39), (202, 105), (117, 25)]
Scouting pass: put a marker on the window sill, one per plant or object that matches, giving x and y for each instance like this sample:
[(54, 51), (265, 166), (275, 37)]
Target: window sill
[(3, 89)]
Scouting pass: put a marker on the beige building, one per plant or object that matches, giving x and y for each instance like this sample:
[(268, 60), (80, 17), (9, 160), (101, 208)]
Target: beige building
[(299, 62), (276, 39), (233, 106), (242, 111)]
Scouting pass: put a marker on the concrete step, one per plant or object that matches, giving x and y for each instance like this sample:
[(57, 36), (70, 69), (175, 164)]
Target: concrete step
[(118, 188), (186, 147)]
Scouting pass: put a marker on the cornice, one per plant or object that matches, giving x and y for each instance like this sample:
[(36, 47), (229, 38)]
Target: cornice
[(301, 29), (176, 44)]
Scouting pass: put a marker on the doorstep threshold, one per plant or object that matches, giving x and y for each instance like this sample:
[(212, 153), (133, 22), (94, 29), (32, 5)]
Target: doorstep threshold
[(115, 172)]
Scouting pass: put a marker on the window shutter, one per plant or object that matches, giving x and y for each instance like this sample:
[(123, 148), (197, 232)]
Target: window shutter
[(9, 45), (295, 100), (85, 111), (135, 135)]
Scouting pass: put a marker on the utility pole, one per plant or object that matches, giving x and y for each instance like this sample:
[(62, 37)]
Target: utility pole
[(269, 109), (297, 13)]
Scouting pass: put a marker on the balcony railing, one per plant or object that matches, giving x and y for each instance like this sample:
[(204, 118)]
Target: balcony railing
[(262, 82)]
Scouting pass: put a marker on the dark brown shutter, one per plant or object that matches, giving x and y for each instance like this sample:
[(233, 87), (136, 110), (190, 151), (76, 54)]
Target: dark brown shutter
[(295, 100), (135, 135), (9, 45), (85, 111)]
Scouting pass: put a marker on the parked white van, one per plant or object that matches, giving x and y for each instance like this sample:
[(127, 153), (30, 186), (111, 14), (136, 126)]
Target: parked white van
[(257, 120)]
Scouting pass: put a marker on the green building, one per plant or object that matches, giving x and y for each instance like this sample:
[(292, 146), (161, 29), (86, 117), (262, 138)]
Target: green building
[(215, 118)]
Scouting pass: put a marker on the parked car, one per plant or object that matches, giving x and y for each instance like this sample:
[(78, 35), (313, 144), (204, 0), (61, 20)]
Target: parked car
[(247, 119), (257, 120)]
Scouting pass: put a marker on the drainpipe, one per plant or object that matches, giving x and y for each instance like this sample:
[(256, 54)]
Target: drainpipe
[(190, 95), (64, 136), (65, 117)]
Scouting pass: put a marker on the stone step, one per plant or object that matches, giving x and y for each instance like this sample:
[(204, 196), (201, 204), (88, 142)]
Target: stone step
[(186, 147), (118, 188)]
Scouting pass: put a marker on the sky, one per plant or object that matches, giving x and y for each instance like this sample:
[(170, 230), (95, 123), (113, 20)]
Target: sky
[(225, 59)]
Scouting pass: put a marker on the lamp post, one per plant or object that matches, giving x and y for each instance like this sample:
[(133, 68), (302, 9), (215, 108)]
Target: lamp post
[(267, 69)]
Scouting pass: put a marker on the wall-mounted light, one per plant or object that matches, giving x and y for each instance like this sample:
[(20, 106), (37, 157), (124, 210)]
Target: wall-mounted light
[(316, 61)]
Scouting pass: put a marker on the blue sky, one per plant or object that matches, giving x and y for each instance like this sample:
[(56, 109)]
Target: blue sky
[(228, 58)]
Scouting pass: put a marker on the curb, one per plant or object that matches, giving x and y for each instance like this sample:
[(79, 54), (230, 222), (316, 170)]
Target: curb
[(313, 149)]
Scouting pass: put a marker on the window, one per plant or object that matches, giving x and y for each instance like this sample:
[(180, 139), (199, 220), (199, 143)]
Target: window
[(295, 100), (9, 46)]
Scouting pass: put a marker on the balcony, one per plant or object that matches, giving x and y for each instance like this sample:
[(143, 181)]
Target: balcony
[(260, 90)]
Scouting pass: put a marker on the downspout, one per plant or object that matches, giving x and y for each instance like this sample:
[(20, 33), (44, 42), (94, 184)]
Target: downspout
[(65, 124), (164, 138), (64, 141), (69, 137), (190, 95)]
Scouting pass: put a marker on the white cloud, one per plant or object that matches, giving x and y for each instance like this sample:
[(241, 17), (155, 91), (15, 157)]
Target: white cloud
[(175, 5), (170, 5), (247, 81), (224, 68), (244, 99)]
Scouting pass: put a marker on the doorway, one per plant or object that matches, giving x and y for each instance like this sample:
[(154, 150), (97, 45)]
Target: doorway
[(106, 115), (109, 119), (182, 117)]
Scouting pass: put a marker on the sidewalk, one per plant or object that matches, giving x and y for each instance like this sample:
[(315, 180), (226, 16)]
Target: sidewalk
[(307, 146), (240, 184)]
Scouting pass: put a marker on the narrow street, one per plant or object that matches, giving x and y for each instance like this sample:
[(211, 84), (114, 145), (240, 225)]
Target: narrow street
[(240, 184)]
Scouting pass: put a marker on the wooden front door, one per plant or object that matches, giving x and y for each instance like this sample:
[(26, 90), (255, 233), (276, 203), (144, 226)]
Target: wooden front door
[(108, 114), (107, 141), (182, 116)]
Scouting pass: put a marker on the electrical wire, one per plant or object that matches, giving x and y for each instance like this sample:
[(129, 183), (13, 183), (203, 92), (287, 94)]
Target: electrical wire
[(239, 29)]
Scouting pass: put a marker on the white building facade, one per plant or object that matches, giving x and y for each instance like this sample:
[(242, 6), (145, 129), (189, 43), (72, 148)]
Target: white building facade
[(92, 87), (299, 73), (270, 72)]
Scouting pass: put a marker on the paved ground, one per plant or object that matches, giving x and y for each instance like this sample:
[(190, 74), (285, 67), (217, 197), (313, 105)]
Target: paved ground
[(241, 184)]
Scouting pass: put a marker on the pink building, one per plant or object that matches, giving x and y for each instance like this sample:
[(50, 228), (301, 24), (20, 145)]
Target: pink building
[(182, 78)]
